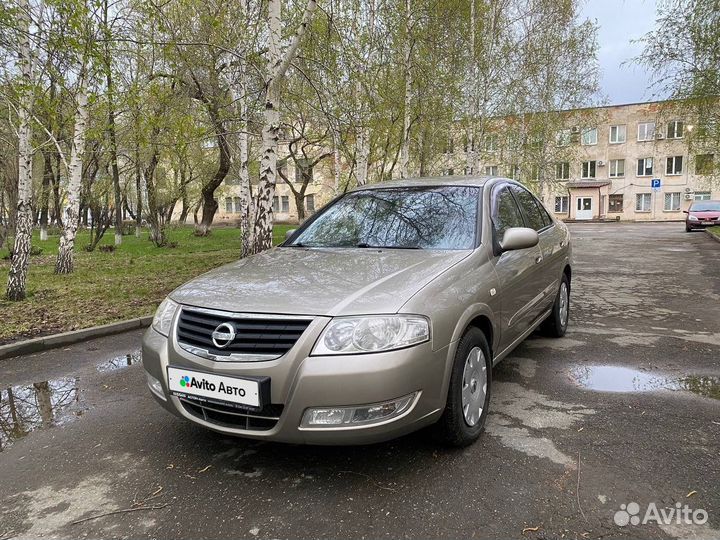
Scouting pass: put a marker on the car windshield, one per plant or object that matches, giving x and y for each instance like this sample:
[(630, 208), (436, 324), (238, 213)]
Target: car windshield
[(706, 206), (440, 217)]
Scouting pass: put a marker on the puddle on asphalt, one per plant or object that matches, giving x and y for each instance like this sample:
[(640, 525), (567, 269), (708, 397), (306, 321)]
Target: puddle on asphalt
[(622, 379), (41, 405), (120, 362)]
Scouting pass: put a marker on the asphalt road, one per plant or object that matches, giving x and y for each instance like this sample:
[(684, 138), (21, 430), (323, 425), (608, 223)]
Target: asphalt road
[(624, 409)]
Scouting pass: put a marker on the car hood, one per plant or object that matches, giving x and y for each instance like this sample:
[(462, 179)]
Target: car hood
[(313, 281), (705, 214)]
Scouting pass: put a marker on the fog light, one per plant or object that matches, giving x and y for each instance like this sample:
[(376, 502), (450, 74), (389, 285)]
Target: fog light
[(155, 386), (358, 415)]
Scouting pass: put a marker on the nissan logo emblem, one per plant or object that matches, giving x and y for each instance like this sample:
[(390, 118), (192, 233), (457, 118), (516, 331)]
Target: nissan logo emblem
[(223, 335)]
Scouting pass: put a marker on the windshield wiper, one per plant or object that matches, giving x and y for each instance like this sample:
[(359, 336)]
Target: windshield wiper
[(366, 245)]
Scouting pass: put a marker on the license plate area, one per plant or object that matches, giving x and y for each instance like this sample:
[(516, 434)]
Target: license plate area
[(244, 393)]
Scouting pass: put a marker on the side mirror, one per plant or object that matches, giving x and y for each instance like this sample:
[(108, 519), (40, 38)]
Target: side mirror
[(685, 212), (519, 238), (289, 233)]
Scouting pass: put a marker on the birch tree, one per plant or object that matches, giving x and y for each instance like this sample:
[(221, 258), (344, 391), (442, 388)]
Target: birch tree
[(278, 62), (17, 278), (66, 252)]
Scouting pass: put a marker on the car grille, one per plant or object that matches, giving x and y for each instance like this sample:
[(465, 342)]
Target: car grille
[(228, 416), (257, 337)]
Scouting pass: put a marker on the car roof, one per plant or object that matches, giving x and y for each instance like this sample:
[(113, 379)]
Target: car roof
[(476, 181)]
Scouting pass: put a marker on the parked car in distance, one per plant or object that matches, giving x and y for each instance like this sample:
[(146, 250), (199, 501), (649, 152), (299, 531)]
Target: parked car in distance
[(382, 314), (702, 214)]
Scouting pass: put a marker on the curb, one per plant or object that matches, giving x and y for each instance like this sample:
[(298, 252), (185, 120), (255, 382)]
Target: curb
[(67, 338), (711, 235)]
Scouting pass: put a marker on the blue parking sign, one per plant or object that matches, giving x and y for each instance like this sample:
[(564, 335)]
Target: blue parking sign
[(655, 183)]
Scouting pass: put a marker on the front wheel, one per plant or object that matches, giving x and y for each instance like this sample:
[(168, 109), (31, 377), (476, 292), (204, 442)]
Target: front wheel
[(468, 398), (557, 322)]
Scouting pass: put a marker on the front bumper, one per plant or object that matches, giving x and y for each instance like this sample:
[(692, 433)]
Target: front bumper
[(299, 381)]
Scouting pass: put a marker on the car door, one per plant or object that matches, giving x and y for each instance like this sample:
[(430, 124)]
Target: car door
[(517, 271), (536, 217)]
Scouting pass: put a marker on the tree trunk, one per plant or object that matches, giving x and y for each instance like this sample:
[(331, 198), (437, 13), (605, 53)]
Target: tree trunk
[(336, 160), (247, 211), (57, 198), (155, 217), (209, 204), (44, 203), (405, 148), (363, 157), (277, 66), (65, 258), (17, 278), (138, 192), (111, 131)]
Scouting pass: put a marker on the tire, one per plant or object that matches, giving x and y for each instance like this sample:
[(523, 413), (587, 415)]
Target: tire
[(459, 425), (557, 322), (688, 229)]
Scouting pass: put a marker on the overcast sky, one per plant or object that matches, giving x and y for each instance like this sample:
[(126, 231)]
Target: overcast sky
[(622, 21)]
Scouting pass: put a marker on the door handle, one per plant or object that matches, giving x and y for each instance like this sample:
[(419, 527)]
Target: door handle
[(538, 259)]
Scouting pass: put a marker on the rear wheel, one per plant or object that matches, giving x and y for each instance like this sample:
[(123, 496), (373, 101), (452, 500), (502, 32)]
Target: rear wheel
[(468, 398), (557, 322)]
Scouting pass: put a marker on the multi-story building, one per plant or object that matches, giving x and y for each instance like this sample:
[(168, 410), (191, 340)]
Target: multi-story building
[(629, 162), (320, 189)]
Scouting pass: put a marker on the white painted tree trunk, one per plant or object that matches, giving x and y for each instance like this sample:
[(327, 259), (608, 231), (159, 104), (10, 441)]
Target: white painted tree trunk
[(64, 264), (17, 278), (277, 66)]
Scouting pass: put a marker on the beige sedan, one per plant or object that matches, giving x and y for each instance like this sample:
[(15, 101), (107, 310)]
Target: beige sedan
[(383, 314)]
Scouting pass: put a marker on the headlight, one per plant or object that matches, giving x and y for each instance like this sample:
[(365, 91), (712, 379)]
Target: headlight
[(693, 218), (164, 316), (350, 335)]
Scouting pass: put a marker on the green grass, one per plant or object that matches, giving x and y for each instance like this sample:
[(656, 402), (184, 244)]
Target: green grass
[(715, 231), (106, 287)]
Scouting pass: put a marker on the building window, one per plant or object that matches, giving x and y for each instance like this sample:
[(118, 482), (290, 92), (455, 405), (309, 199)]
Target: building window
[(491, 170), (562, 170), (310, 203), (645, 166), (643, 202), (276, 204), (588, 169), (563, 137), (615, 203), (589, 136), (618, 134), (646, 131), (672, 202), (675, 129), (237, 202), (704, 163), (702, 196), (303, 171), (674, 165), (515, 172), (490, 143), (617, 168), (285, 204), (561, 204), (228, 205)]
